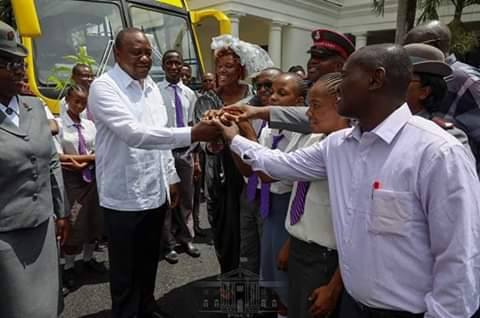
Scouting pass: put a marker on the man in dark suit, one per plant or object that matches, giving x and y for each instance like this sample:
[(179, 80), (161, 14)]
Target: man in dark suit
[(31, 197)]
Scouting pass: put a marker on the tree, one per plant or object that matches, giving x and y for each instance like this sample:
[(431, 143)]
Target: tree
[(406, 10), (6, 12), (462, 40)]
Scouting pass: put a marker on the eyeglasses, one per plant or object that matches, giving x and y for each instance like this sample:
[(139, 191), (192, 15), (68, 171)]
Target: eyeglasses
[(266, 85), (13, 66)]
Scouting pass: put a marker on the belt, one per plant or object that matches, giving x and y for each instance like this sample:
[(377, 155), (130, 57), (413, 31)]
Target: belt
[(382, 313), (385, 313)]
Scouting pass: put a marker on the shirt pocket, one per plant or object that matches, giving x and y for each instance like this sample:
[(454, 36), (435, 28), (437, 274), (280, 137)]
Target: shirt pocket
[(143, 179), (391, 212)]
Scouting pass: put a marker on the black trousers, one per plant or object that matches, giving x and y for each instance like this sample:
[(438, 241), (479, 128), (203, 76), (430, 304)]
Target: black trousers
[(134, 248), (349, 308), (224, 186)]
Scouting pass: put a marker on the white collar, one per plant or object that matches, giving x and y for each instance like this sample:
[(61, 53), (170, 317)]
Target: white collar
[(13, 105), (126, 80)]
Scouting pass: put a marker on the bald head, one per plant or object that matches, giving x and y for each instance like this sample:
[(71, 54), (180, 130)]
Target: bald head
[(434, 33), (393, 60)]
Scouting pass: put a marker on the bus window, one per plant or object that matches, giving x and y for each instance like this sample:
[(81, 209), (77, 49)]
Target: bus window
[(68, 25), (167, 31)]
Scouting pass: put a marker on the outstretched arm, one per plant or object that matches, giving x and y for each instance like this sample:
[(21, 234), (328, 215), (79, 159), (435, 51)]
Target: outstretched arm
[(305, 164)]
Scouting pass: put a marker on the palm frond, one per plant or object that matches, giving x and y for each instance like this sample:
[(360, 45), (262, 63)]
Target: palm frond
[(378, 7)]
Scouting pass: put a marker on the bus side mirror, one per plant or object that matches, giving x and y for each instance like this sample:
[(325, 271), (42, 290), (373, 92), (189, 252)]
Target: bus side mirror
[(26, 18), (223, 20)]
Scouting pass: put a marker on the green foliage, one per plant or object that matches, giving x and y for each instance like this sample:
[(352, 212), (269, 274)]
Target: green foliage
[(6, 12), (462, 40), (428, 10), (378, 7), (60, 76)]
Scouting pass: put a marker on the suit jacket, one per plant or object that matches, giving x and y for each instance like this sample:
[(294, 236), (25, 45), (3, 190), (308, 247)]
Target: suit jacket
[(290, 118), (30, 175)]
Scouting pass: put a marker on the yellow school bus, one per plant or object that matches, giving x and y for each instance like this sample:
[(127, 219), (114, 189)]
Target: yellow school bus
[(54, 29)]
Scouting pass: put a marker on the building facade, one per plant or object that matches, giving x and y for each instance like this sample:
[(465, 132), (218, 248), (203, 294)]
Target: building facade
[(283, 27)]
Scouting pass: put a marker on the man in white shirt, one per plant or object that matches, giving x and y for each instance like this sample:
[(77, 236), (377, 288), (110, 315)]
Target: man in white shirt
[(179, 102), (135, 169), (404, 196)]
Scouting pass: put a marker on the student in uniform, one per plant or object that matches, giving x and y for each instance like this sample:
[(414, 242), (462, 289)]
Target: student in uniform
[(273, 196), (310, 255), (78, 161)]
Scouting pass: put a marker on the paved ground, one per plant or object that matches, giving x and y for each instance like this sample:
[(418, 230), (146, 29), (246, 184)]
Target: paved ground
[(92, 299)]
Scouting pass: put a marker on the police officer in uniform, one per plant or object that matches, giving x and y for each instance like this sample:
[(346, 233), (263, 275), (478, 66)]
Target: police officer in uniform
[(31, 196), (427, 88)]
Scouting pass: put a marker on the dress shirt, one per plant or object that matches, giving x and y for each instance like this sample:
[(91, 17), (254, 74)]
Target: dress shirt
[(405, 209), (133, 173), (187, 96), (56, 138), (288, 143), (315, 225), (13, 105), (69, 135)]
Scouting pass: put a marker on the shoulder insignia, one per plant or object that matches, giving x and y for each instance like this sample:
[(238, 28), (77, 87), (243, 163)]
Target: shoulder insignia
[(442, 123)]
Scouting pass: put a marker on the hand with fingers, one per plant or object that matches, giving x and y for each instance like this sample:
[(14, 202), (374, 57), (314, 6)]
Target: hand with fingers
[(229, 129), (242, 112)]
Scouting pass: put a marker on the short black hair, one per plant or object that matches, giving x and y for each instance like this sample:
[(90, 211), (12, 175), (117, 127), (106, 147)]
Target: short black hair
[(76, 68), (296, 68), (394, 59), (171, 52), (75, 88), (301, 87), (123, 33), (332, 81), (438, 88)]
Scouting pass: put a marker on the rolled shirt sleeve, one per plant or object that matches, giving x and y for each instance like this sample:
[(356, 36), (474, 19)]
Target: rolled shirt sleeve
[(450, 192), (104, 102)]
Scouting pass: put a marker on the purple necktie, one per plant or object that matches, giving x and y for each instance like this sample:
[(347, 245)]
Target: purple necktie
[(298, 204), (178, 106), (82, 150), (253, 179), (265, 189)]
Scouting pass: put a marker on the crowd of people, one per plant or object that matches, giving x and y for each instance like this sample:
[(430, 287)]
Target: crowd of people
[(352, 186)]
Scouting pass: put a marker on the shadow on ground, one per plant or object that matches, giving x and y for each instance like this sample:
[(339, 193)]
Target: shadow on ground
[(184, 302)]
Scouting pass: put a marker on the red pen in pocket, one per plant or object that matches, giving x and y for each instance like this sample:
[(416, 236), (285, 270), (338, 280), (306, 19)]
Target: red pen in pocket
[(375, 186)]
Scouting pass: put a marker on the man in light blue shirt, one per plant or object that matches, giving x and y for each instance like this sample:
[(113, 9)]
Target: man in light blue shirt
[(404, 196)]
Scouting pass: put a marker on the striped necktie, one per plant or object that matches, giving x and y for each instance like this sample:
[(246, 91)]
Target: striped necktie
[(298, 204), (265, 189), (253, 179), (178, 106), (82, 150)]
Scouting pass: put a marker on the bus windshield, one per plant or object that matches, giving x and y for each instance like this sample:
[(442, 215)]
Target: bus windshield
[(166, 31), (68, 26), (72, 26)]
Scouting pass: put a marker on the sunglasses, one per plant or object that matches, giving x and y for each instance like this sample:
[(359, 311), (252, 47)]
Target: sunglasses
[(266, 85), (13, 66)]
